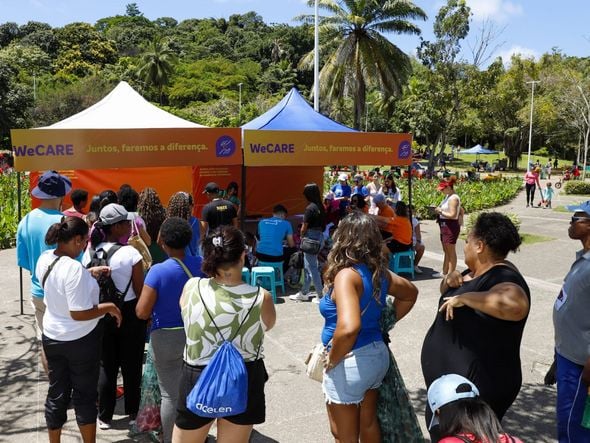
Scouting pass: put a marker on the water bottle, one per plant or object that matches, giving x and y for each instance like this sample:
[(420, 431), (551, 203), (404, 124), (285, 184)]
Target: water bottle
[(586, 416)]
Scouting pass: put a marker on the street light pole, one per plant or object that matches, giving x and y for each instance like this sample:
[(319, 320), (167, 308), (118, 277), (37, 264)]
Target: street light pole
[(239, 104), (532, 83), (316, 60), (367, 116)]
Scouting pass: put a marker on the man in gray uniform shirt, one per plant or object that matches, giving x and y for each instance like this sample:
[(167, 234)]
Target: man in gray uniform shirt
[(571, 320)]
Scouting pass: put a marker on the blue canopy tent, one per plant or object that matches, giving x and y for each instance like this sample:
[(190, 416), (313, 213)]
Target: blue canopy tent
[(293, 113), (478, 149)]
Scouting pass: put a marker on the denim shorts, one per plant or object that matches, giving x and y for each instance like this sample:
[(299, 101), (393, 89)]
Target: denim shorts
[(362, 369)]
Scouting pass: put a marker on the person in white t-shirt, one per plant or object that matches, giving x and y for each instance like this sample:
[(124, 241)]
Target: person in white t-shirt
[(121, 347), (72, 331)]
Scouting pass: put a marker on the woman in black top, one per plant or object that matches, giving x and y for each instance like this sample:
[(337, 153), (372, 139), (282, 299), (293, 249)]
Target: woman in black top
[(481, 317), (314, 222)]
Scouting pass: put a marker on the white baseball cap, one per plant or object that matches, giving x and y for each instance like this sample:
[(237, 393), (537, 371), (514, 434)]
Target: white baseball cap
[(447, 389), (343, 177)]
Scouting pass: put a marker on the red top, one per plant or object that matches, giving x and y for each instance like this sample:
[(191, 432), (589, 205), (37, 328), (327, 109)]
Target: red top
[(504, 438)]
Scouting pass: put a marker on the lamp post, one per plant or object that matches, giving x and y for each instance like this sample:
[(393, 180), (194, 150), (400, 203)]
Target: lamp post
[(239, 104), (532, 83), (316, 60)]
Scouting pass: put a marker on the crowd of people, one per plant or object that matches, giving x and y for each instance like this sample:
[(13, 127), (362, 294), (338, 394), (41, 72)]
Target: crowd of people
[(179, 283)]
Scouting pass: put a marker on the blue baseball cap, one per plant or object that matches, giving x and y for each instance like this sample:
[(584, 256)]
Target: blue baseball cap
[(582, 207), (52, 185)]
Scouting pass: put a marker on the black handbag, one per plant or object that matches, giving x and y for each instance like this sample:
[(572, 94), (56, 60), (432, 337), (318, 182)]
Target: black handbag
[(310, 246)]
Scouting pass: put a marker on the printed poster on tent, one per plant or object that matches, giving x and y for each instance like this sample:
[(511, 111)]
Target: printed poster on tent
[(316, 148), (41, 149)]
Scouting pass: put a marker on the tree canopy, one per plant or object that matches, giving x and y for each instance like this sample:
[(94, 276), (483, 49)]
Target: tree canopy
[(193, 68)]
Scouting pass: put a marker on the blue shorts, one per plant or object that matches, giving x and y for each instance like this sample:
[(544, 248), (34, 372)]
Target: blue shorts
[(362, 369)]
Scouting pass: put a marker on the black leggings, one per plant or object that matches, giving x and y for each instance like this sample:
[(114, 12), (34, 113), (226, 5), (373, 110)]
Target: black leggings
[(530, 193), (73, 373), (121, 348)]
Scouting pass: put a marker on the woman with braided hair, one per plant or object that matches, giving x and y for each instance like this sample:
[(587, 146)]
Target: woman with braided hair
[(153, 213), (181, 205)]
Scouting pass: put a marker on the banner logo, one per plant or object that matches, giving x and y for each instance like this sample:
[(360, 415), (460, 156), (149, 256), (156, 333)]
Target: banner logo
[(405, 149), (225, 146)]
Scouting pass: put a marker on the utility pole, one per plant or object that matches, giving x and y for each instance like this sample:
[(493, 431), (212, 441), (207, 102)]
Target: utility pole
[(240, 104), (316, 61), (532, 83)]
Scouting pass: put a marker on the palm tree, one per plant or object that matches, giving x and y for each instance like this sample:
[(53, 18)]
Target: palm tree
[(157, 65), (363, 56)]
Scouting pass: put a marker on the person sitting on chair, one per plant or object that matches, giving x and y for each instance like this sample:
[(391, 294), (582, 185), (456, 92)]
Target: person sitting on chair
[(400, 228), (272, 232)]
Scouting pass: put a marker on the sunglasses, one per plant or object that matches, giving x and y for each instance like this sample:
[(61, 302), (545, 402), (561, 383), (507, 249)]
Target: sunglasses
[(577, 219)]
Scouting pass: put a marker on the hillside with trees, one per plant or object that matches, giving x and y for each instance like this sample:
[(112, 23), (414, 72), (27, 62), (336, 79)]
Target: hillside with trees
[(196, 69)]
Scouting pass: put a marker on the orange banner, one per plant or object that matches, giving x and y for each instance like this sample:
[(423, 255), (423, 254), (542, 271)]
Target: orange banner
[(265, 186), (166, 181), (42, 149), (307, 148)]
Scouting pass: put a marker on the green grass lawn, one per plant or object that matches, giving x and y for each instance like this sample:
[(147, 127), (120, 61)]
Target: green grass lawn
[(529, 239)]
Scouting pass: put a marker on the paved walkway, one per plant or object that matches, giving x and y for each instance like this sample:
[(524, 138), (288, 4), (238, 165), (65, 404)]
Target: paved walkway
[(295, 410)]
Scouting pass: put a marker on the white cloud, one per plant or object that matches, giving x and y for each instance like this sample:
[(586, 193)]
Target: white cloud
[(524, 53), (496, 10)]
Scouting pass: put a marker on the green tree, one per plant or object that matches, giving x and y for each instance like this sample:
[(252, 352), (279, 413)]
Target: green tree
[(15, 102), (132, 10), (157, 66), (364, 57), (446, 73), (83, 50)]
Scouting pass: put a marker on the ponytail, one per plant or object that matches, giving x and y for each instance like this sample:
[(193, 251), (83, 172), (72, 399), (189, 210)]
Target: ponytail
[(99, 233), (222, 248), (65, 230)]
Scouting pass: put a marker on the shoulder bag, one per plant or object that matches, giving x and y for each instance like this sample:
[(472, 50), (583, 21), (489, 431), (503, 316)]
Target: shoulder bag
[(137, 242)]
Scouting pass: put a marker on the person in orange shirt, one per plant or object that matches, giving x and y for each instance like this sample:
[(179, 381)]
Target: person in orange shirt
[(400, 228)]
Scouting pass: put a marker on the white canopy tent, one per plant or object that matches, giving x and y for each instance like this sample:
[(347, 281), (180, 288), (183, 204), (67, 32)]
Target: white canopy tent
[(123, 108)]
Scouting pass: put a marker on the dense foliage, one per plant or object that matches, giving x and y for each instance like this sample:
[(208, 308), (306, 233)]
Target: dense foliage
[(475, 195), (196, 68), (9, 207), (577, 187)]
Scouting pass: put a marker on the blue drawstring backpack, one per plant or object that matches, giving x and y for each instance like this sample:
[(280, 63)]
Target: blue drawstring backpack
[(222, 388)]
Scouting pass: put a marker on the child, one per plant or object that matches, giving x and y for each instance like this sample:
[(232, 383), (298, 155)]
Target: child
[(548, 195)]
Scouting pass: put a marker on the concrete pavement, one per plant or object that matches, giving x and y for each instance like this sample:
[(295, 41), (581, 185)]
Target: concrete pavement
[(295, 408)]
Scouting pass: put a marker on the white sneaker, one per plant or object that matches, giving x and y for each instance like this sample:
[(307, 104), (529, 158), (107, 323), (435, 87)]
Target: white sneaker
[(417, 270), (299, 297), (438, 275), (316, 300), (103, 425)]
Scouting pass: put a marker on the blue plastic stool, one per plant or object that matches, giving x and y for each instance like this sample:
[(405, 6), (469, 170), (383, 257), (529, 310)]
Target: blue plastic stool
[(278, 267), (265, 272), (395, 262), (246, 275)]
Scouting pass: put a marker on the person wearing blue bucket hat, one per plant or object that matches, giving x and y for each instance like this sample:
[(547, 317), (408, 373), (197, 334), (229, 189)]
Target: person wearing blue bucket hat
[(51, 188), (571, 321)]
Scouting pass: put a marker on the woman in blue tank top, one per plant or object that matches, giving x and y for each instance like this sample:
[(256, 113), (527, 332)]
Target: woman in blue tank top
[(358, 282)]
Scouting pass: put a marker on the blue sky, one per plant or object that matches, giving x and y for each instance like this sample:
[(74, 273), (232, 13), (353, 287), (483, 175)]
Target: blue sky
[(528, 27)]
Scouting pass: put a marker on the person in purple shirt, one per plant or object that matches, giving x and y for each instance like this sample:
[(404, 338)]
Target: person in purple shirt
[(159, 301)]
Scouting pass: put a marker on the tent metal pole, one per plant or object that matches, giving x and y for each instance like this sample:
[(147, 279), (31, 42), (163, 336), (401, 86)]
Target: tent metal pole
[(410, 190), (20, 270)]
